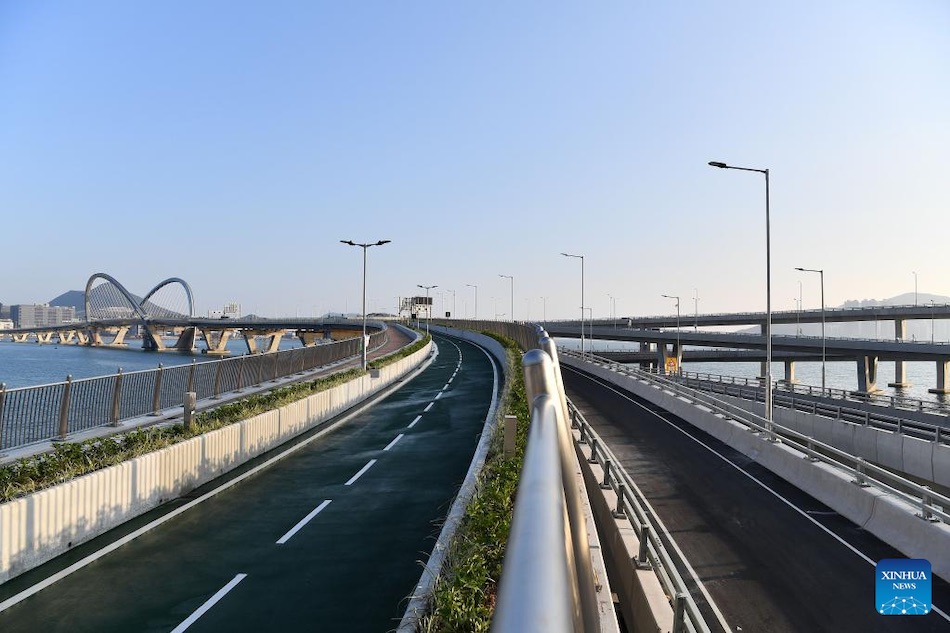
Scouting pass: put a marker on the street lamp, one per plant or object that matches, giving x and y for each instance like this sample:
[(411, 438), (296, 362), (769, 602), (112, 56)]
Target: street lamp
[(799, 307), (581, 257), (544, 309), (428, 305), (453, 303), (364, 247), (768, 293), (512, 280), (822, 275), (678, 351), (696, 309), (915, 287), (476, 299), (931, 321)]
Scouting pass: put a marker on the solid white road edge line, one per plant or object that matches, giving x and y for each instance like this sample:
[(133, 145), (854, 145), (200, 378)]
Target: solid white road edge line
[(210, 603), (304, 521)]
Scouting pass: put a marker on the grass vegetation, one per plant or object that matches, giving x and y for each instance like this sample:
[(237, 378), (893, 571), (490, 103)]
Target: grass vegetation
[(72, 459), (464, 596)]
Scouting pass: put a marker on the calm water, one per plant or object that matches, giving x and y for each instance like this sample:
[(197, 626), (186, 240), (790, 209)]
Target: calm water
[(839, 374), (28, 364)]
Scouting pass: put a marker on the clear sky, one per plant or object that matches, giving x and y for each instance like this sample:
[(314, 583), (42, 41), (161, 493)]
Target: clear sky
[(235, 143)]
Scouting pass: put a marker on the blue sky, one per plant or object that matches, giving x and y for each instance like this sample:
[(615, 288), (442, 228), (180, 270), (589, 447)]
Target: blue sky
[(235, 143)]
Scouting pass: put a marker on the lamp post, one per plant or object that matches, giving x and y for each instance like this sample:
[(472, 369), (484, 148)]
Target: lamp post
[(580, 257), (678, 350), (799, 307), (768, 293), (428, 305), (695, 309), (512, 280), (476, 299), (544, 309), (931, 321), (915, 287), (364, 247), (453, 303), (821, 273)]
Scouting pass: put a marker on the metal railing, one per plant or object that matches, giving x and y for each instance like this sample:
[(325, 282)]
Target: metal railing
[(45, 412), (745, 388), (657, 551), (931, 505), (548, 579)]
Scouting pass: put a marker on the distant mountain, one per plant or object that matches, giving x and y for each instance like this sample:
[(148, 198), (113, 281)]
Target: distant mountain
[(74, 298)]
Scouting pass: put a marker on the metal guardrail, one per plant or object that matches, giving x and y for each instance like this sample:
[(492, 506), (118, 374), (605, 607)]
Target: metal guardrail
[(892, 423), (932, 505), (45, 412), (547, 580)]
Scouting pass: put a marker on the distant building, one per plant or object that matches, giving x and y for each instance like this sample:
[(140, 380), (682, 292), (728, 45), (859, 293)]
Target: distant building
[(6, 324), (229, 311), (4, 311), (41, 315), (232, 310)]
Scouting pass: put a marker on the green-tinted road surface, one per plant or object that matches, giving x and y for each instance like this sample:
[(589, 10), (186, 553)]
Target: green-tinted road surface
[(330, 538)]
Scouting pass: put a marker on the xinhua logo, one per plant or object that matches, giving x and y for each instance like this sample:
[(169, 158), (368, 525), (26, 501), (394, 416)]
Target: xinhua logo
[(903, 586)]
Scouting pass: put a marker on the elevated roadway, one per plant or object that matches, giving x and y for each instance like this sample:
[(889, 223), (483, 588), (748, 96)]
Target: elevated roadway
[(327, 539), (772, 558)]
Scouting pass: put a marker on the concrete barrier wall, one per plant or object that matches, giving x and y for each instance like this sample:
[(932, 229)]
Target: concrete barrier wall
[(909, 455), (39, 527), (888, 518)]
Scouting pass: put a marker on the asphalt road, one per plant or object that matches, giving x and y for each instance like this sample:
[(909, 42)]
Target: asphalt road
[(331, 538), (772, 558)]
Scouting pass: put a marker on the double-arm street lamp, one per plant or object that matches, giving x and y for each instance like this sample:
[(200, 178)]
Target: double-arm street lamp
[(428, 305), (581, 257), (768, 294), (821, 273), (678, 351), (364, 247), (512, 280)]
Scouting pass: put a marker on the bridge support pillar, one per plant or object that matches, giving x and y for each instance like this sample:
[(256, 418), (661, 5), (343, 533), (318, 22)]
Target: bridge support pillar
[(216, 341), (900, 375), (44, 337), (943, 377), (19, 338), (900, 329), (646, 347), (867, 375), (310, 338), (273, 344), (789, 372), (663, 356)]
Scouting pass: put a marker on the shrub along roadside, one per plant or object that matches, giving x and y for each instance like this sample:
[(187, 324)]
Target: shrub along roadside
[(72, 459), (464, 595)]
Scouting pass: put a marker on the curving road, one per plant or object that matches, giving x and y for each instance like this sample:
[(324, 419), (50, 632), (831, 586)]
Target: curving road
[(329, 538), (772, 558)]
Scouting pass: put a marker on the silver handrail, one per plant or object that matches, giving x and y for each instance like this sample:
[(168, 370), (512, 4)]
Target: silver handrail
[(536, 592), (519, 603)]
